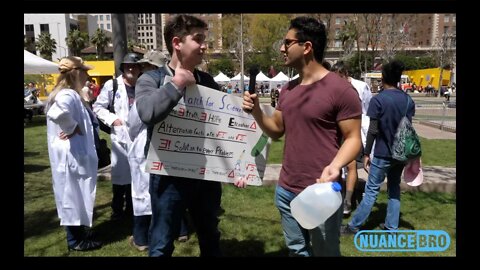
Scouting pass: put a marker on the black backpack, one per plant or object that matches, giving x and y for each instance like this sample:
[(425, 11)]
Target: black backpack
[(111, 107)]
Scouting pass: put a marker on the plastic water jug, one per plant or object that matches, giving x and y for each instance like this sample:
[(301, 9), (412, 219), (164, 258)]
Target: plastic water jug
[(316, 203)]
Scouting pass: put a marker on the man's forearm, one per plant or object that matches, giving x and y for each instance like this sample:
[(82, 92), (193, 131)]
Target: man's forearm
[(348, 151), (268, 124)]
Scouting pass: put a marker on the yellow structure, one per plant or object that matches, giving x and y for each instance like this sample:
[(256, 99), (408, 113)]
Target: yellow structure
[(423, 77), (102, 71)]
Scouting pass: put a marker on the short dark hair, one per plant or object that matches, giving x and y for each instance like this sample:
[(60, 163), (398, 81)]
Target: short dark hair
[(340, 67), (180, 26), (392, 72), (313, 30)]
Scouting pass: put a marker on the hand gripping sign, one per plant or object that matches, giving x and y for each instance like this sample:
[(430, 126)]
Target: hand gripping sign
[(208, 136)]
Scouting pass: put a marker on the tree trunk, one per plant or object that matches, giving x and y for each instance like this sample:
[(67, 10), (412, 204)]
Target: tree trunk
[(119, 40), (440, 82)]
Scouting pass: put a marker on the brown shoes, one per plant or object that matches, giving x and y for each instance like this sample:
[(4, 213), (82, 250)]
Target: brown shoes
[(133, 244), (183, 238)]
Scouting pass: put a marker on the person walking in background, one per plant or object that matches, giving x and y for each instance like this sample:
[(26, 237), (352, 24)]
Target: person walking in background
[(365, 95), (124, 99), (273, 98), (185, 38), (385, 111), (71, 138), (95, 88), (314, 113), (87, 94)]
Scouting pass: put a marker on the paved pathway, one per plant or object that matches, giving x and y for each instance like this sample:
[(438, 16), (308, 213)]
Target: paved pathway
[(436, 178), (429, 132)]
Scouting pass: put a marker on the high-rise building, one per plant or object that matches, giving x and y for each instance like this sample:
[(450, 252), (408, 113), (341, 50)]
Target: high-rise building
[(104, 22), (415, 33), (149, 31)]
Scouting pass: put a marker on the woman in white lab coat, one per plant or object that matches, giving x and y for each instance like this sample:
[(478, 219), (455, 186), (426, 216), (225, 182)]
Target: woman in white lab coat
[(71, 149)]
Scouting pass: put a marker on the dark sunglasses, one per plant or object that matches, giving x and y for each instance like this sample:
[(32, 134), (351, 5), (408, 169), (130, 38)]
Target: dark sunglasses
[(289, 42)]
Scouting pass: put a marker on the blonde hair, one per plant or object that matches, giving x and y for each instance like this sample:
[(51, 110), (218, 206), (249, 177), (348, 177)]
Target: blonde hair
[(67, 80)]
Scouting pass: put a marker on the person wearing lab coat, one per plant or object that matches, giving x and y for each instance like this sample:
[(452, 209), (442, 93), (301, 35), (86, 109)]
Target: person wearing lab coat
[(142, 210), (365, 95), (137, 130), (71, 149), (124, 99)]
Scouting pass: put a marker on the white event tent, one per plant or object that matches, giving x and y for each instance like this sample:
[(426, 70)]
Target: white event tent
[(281, 79), (221, 78), (33, 64), (238, 77), (262, 77)]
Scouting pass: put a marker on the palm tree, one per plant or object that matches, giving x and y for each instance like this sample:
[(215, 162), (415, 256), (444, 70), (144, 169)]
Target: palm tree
[(76, 41), (134, 44), (100, 40), (29, 44), (46, 45)]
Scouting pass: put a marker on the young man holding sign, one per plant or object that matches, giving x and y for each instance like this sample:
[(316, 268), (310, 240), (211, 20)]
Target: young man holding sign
[(185, 40), (314, 112)]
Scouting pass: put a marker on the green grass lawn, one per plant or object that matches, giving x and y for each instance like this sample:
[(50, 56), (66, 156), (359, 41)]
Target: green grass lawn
[(250, 225), (434, 152)]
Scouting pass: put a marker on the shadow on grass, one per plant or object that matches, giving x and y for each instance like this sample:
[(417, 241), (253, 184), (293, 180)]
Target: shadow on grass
[(248, 248), (40, 223), (31, 168), (109, 231), (37, 120), (30, 154)]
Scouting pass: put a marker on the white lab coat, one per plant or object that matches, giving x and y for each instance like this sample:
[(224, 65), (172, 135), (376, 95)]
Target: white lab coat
[(73, 161), (119, 137), (136, 157), (365, 96)]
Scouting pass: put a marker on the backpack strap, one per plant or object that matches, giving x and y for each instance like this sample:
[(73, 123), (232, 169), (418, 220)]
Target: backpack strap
[(111, 106)]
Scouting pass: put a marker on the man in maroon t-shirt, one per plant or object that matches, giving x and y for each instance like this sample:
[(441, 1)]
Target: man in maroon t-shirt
[(315, 112)]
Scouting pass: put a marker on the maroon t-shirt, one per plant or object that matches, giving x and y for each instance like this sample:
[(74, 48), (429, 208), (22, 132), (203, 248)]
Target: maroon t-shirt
[(312, 136)]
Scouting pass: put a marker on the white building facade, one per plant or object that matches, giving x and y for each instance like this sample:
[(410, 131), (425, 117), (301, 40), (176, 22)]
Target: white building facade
[(57, 25)]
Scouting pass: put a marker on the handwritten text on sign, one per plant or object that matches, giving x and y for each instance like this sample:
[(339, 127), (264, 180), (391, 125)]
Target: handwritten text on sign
[(208, 136)]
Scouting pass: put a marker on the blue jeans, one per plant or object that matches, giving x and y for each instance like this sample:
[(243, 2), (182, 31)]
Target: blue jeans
[(75, 234), (323, 240), (170, 197), (378, 169), (141, 225), (184, 225)]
